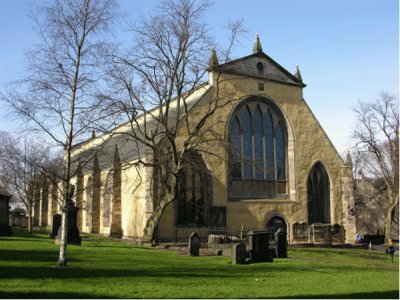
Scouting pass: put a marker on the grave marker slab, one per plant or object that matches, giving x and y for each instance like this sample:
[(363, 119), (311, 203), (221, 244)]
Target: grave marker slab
[(259, 245), (194, 244), (55, 225), (238, 254), (281, 244)]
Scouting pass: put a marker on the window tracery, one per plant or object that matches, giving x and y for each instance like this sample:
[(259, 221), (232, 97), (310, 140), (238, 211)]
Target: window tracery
[(258, 150)]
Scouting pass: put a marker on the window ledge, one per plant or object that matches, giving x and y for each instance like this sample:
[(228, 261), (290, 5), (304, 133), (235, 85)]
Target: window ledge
[(277, 200)]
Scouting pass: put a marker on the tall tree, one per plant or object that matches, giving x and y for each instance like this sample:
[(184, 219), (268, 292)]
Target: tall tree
[(153, 89), (24, 163), (377, 137), (57, 96)]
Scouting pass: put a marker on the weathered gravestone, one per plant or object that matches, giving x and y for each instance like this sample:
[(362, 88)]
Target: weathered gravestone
[(194, 244), (259, 245), (73, 231), (238, 254), (281, 244), (5, 228), (55, 225)]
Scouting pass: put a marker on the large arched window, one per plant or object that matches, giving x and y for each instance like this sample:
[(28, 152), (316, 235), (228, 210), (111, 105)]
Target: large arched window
[(258, 150)]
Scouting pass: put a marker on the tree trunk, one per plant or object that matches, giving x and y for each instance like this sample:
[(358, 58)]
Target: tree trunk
[(30, 221), (62, 261), (388, 221), (154, 219)]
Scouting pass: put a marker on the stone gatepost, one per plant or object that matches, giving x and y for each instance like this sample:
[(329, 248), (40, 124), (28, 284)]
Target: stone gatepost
[(96, 196), (348, 206), (116, 220)]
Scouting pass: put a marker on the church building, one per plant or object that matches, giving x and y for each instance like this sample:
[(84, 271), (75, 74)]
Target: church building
[(283, 170)]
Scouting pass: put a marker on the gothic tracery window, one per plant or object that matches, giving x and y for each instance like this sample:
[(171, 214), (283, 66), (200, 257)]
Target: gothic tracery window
[(258, 151)]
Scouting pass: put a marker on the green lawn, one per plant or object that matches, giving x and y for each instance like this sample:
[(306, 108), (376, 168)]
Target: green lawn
[(106, 269)]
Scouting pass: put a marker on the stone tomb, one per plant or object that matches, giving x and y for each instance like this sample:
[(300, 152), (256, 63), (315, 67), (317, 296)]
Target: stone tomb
[(259, 245), (194, 244), (320, 233)]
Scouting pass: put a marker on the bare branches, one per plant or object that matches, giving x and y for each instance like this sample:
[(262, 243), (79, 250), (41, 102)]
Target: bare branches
[(377, 138), (24, 163), (236, 30), (377, 133)]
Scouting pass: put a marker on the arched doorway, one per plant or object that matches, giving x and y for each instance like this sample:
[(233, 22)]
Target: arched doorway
[(318, 190), (277, 222), (192, 205)]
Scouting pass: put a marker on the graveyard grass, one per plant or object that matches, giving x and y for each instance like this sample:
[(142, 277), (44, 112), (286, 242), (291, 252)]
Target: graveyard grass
[(102, 268)]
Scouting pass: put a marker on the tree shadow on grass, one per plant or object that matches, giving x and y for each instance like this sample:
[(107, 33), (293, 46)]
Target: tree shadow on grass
[(49, 295), (30, 239), (28, 255), (366, 295), (77, 295), (134, 270)]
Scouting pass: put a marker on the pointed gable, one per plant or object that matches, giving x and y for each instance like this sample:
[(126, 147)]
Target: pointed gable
[(260, 65)]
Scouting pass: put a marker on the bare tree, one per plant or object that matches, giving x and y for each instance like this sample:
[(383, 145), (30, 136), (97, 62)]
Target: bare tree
[(156, 84), (377, 138), (57, 96), (23, 164)]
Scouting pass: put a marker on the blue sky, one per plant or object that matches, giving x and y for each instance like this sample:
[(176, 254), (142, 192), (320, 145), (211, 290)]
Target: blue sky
[(347, 50)]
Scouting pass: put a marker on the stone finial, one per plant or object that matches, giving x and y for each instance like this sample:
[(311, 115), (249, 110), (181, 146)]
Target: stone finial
[(257, 48), (349, 160), (213, 64), (93, 134), (297, 74)]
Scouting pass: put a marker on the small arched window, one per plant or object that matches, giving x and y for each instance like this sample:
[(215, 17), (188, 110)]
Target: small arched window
[(258, 150)]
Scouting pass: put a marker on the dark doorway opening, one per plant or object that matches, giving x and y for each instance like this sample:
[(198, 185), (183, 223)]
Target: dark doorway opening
[(276, 223)]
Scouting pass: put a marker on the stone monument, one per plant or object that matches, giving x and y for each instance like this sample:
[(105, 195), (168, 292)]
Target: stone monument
[(281, 244), (238, 254), (194, 244), (55, 225), (73, 237), (259, 245)]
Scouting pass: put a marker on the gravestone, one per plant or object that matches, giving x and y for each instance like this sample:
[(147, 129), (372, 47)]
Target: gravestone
[(194, 244), (238, 254), (259, 245), (55, 225), (73, 237), (320, 233), (5, 228), (281, 244)]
